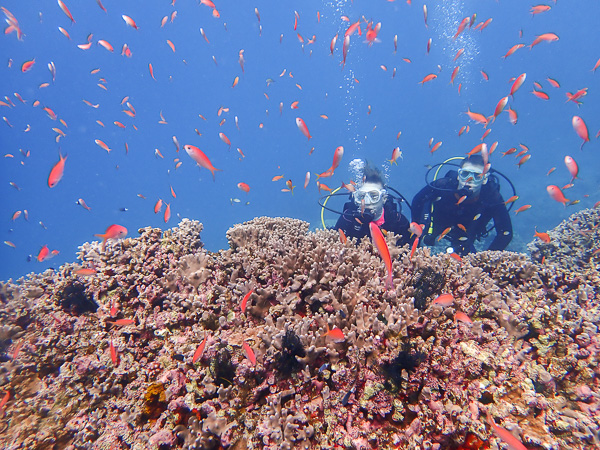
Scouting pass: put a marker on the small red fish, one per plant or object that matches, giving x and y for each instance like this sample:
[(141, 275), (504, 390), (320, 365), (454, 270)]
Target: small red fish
[(384, 252), (302, 127), (57, 171), (544, 237), (43, 254), (249, 353), (556, 194), (201, 159), (571, 167), (199, 350), (581, 129), (245, 300), (343, 238), (462, 317), (114, 354), (415, 244), (517, 83), (112, 232), (336, 334), (244, 187), (444, 300), (122, 322)]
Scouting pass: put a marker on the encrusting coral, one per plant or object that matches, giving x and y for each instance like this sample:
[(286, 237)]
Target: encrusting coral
[(153, 350)]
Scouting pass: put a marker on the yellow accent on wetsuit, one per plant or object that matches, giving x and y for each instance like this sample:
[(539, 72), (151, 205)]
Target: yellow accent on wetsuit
[(430, 230), (323, 207)]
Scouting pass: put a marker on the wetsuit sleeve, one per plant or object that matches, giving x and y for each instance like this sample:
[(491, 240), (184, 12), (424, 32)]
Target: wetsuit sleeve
[(421, 205), (502, 224), (344, 221)]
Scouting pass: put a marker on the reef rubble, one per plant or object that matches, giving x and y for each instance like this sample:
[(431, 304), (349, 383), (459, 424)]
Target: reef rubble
[(153, 349)]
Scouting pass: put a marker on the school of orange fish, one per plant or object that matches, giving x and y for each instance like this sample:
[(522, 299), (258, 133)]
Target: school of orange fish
[(354, 31)]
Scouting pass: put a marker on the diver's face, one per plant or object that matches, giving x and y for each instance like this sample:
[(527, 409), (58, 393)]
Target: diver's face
[(372, 196), (469, 177)]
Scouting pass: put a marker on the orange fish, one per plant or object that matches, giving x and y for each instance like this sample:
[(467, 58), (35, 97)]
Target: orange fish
[(83, 204), (102, 145), (86, 272), (114, 355), (512, 116), (460, 200), (462, 317), (225, 139), (343, 238), (4, 401), (106, 45), (151, 69), (431, 76), (540, 94), (277, 178), (66, 10), (121, 322), (383, 250), (500, 106), (444, 300), (513, 49), (167, 215), (57, 172), (158, 206), (514, 198), (201, 159), (517, 83), (544, 237), (513, 442), (245, 300), (43, 254), (547, 37), (288, 183), (444, 233), (571, 167), (462, 26), (523, 160), (581, 129), (336, 334), (435, 147), (199, 350), (244, 187), (129, 21), (522, 208), (302, 127), (249, 353), (455, 256), (454, 72), (477, 117), (556, 194), (112, 232), (27, 65), (415, 244)]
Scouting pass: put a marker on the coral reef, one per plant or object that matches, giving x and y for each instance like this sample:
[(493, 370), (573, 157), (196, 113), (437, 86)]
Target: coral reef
[(153, 350)]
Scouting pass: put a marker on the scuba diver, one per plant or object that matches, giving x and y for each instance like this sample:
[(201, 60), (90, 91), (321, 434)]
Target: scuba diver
[(370, 202), (460, 206)]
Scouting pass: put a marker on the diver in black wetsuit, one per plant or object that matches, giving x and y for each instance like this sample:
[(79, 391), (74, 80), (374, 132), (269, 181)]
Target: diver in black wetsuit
[(440, 205), (371, 203)]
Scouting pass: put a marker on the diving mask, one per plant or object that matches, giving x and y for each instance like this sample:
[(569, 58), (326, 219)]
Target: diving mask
[(370, 196)]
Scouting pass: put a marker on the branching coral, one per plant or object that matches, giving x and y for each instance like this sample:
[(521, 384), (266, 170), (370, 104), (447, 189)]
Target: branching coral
[(152, 351)]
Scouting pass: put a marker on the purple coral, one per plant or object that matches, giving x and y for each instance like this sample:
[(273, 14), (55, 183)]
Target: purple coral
[(406, 375)]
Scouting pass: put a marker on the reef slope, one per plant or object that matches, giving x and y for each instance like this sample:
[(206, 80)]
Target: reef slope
[(153, 350)]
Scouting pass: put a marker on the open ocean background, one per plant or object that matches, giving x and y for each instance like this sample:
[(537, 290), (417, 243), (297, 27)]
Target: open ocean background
[(189, 83)]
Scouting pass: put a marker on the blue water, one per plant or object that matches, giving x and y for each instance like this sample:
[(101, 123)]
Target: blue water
[(188, 83)]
